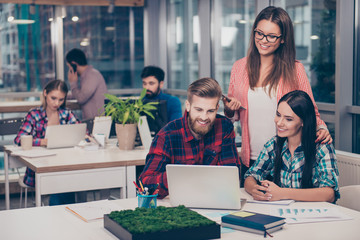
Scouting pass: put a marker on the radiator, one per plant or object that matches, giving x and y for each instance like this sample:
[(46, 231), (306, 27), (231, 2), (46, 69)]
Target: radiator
[(349, 168)]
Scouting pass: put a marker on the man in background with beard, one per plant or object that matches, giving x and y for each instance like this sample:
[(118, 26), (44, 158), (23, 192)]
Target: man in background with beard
[(153, 81), (201, 137)]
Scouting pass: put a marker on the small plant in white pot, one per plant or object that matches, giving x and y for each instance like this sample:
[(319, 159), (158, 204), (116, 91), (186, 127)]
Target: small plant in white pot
[(126, 113)]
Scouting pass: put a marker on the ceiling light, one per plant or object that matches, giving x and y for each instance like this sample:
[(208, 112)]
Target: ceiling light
[(75, 18), (12, 20), (314, 37), (242, 21), (85, 42), (110, 28)]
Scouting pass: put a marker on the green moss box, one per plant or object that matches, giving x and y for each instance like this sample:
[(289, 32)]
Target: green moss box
[(175, 223)]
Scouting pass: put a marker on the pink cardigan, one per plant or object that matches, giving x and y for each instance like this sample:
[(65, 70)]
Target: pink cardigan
[(239, 87)]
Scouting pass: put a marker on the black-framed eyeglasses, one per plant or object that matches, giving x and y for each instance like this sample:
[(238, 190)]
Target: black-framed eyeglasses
[(270, 38)]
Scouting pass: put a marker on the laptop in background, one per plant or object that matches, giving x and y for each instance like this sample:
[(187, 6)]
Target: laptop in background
[(66, 135), (144, 132), (204, 186)]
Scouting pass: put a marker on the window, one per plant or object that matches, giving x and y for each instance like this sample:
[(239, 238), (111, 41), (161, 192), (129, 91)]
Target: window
[(314, 26), (26, 71), (233, 19), (112, 42), (183, 39)]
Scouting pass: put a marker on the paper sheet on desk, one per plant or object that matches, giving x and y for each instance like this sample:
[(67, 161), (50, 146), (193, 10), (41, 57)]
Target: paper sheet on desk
[(281, 202), (93, 210), (306, 215), (34, 152)]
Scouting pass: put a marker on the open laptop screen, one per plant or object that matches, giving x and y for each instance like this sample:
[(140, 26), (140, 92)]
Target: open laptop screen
[(204, 186), (66, 135)]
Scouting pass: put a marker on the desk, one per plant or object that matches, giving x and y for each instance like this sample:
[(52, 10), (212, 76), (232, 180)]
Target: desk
[(75, 169), (57, 223)]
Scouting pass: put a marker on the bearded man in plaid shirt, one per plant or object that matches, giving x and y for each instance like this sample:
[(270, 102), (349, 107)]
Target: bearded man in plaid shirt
[(200, 137)]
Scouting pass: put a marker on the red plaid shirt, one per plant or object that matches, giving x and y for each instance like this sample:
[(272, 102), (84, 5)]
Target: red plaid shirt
[(175, 144)]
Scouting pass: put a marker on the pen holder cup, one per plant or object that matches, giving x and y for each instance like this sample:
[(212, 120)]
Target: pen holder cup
[(147, 201)]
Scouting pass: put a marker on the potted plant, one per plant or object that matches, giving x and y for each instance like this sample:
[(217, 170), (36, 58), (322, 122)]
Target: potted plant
[(126, 113)]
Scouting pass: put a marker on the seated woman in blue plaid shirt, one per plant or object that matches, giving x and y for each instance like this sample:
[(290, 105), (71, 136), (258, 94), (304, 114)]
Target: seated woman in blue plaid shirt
[(291, 165)]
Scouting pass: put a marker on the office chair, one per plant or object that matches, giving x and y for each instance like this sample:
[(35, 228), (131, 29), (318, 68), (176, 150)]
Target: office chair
[(349, 197), (25, 187), (11, 126)]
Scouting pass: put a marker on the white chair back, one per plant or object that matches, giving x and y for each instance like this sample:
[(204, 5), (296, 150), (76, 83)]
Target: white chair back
[(349, 197)]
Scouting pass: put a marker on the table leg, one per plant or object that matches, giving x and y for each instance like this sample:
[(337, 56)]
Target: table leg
[(7, 187), (37, 190), (130, 178)]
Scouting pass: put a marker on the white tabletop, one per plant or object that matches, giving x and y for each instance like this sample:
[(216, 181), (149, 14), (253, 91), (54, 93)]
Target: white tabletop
[(66, 159), (77, 169), (57, 223)]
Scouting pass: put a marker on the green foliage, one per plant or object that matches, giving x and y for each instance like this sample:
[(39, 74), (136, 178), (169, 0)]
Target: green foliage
[(150, 220), (127, 111)]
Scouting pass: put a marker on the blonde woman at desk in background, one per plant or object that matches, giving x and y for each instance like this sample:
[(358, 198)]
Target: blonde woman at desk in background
[(291, 165), (259, 80), (51, 112)]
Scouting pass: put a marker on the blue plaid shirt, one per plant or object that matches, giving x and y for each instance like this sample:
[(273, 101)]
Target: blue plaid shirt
[(325, 171)]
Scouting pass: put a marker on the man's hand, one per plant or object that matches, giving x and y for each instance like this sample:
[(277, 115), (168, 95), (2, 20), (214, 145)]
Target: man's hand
[(72, 76)]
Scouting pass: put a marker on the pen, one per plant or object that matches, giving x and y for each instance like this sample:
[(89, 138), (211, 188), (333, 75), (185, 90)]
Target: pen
[(139, 189), (142, 188)]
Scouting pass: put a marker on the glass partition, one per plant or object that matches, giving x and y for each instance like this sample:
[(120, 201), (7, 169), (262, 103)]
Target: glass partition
[(183, 40), (27, 55), (231, 25), (315, 30), (112, 41)]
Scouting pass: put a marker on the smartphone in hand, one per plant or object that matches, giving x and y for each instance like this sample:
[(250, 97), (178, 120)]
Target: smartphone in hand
[(226, 98), (74, 67)]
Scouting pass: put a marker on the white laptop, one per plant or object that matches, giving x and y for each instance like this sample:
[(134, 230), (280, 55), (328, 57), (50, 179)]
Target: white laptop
[(144, 132), (204, 186), (66, 135)]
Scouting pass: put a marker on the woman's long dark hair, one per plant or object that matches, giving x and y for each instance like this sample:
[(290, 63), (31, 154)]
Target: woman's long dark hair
[(55, 85), (301, 104), (284, 57)]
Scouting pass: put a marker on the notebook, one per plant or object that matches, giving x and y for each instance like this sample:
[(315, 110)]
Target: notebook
[(253, 220), (66, 135), (204, 186)]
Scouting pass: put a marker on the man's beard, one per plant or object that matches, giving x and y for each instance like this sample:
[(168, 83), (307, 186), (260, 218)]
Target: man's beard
[(151, 94), (201, 131)]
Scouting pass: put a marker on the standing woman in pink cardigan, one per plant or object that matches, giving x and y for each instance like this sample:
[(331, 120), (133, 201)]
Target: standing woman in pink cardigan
[(259, 80)]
